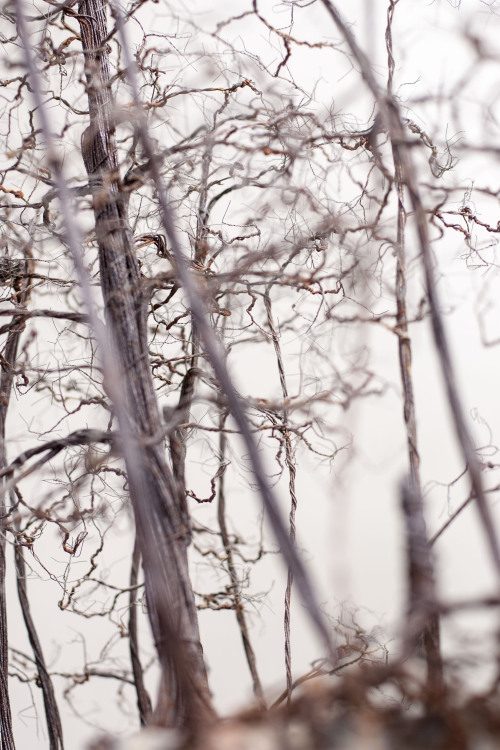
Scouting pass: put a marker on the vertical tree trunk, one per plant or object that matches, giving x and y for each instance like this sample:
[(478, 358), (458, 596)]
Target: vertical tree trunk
[(422, 596), (163, 527), (21, 293)]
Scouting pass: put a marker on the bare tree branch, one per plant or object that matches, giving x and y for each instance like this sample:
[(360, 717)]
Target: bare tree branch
[(392, 121)]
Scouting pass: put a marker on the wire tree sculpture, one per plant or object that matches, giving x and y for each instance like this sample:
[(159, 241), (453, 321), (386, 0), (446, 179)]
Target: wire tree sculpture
[(196, 251)]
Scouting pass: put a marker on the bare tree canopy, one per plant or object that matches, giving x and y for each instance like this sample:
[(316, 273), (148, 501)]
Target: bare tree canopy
[(243, 253)]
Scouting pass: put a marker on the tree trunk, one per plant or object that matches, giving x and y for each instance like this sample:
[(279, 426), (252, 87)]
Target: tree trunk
[(162, 521)]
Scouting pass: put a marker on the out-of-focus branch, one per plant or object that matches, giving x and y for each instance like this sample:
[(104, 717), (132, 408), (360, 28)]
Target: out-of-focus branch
[(421, 577), (233, 575), (185, 699), (9, 269), (213, 350), (423, 611), (392, 122)]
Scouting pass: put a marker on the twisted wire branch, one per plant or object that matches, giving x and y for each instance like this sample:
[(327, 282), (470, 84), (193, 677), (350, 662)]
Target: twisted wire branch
[(292, 471)]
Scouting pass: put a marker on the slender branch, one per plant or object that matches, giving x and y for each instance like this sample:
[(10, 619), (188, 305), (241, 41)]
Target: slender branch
[(290, 463), (143, 699), (54, 725), (421, 576), (423, 611), (21, 295), (233, 576), (214, 352), (185, 697), (53, 447), (393, 123)]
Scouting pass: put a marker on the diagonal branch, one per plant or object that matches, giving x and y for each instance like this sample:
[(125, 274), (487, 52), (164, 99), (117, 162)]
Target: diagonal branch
[(214, 352), (53, 447), (393, 123), (161, 524), (292, 470), (421, 575)]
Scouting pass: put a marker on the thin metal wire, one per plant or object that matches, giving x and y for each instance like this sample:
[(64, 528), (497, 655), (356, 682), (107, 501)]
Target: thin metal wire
[(292, 471)]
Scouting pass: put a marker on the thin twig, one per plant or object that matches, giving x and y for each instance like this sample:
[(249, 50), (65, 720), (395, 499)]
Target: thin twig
[(143, 699), (235, 583), (421, 576), (290, 464)]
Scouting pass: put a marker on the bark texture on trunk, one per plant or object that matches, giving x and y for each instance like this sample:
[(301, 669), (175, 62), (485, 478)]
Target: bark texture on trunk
[(162, 521)]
